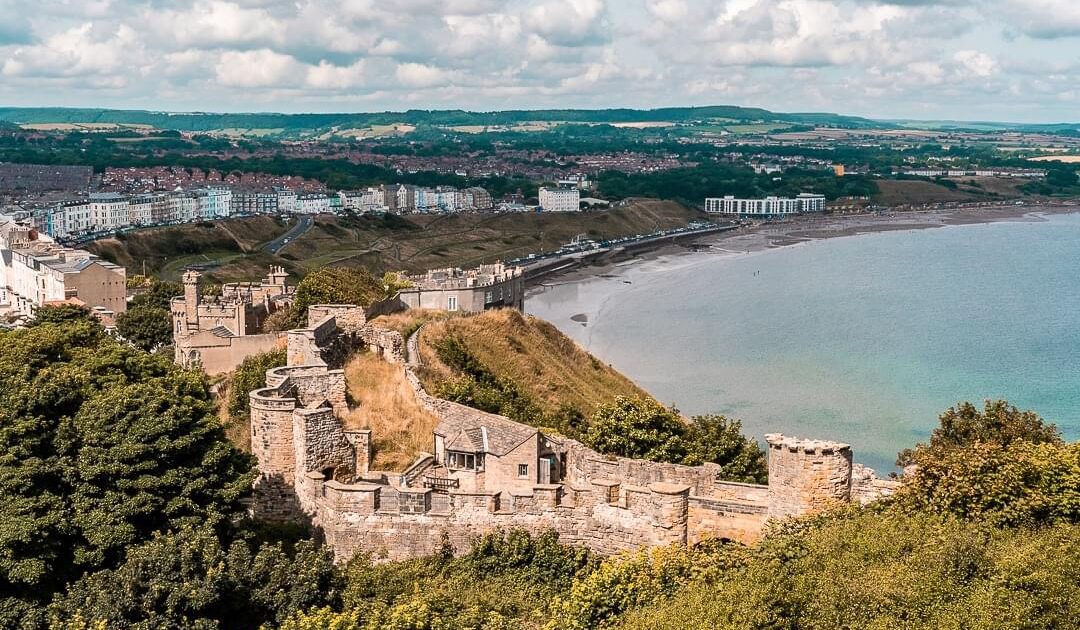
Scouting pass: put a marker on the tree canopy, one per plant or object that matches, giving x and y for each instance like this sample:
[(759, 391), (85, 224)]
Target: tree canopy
[(101, 446), (645, 429)]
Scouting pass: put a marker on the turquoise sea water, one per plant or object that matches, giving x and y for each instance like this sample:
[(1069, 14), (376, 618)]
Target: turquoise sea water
[(863, 339)]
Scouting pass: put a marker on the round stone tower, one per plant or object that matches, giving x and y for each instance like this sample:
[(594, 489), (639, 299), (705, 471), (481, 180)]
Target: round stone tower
[(806, 475)]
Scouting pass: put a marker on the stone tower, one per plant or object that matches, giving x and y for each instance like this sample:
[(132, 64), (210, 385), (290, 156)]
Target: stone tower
[(191, 299), (806, 475)]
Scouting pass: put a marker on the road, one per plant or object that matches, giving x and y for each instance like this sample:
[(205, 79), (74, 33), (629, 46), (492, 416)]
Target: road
[(276, 245)]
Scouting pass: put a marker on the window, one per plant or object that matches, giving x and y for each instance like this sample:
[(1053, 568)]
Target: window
[(451, 303), (461, 461), (523, 470)]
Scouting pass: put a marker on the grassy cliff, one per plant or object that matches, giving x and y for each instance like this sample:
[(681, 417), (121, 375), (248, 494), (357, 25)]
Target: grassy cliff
[(532, 367)]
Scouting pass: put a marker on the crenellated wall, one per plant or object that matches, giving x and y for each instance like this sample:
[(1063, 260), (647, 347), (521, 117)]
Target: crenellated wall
[(313, 469)]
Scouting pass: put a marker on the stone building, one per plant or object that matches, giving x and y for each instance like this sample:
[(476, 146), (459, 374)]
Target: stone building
[(473, 290), (487, 472), (218, 332), (36, 271)]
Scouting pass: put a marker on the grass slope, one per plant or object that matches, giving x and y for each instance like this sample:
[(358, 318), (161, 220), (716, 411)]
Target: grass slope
[(414, 243), (421, 242), (546, 364), (167, 250), (387, 405)]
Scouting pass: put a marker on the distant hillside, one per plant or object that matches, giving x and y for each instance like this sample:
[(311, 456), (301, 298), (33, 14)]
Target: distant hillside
[(166, 251), (289, 124), (541, 374), (414, 243)]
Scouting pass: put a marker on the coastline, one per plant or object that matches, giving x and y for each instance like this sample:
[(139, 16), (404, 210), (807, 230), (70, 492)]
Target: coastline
[(765, 236)]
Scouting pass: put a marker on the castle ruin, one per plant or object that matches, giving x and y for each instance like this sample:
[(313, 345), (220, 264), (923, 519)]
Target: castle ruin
[(218, 332), (486, 472)]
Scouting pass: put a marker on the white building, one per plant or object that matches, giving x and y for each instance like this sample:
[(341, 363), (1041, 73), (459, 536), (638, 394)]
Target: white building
[(767, 207), (286, 200), (560, 199), (108, 211), (313, 204), (35, 270)]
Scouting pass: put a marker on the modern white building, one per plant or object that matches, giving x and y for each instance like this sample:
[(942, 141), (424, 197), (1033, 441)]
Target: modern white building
[(560, 199), (767, 207)]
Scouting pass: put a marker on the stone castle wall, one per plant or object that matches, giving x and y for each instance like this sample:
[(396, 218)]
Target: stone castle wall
[(313, 469)]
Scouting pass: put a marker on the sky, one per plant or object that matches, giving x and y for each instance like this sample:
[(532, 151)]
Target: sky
[(1005, 60)]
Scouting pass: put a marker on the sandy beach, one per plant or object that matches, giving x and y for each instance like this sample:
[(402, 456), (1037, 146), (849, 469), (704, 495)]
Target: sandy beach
[(762, 236)]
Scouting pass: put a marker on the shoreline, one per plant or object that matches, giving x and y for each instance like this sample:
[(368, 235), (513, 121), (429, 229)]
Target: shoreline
[(766, 236)]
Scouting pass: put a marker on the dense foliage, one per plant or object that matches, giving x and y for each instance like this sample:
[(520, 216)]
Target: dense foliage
[(645, 429), (1000, 464), (191, 579), (101, 446), (249, 376), (148, 321), (329, 285), (868, 569), (506, 580)]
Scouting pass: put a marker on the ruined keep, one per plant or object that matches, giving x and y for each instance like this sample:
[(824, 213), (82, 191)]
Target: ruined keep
[(486, 472)]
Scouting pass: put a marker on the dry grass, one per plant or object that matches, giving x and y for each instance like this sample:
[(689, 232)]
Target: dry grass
[(406, 322), (400, 427), (546, 364), (896, 192)]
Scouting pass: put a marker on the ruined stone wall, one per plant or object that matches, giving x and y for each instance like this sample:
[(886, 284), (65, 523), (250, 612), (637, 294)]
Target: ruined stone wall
[(866, 486), (357, 517), (607, 504), (584, 465)]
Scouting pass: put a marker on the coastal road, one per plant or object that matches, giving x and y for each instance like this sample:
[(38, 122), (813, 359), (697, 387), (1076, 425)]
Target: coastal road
[(298, 230)]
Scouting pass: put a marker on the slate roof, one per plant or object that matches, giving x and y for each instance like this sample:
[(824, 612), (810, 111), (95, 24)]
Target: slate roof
[(478, 432)]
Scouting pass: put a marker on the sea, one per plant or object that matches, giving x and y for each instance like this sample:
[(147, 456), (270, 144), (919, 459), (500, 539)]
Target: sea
[(863, 339)]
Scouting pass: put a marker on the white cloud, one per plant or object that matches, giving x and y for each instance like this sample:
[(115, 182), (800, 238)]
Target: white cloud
[(876, 57), (258, 68)]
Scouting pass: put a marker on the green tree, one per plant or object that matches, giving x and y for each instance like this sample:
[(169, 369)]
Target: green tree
[(190, 579), (1022, 483), (329, 285), (158, 294), (146, 327), (638, 428), (60, 313), (338, 285), (101, 445), (718, 440), (964, 425), (249, 376)]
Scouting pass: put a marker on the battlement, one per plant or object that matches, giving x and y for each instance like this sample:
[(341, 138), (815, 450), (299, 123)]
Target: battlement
[(488, 472), (794, 444)]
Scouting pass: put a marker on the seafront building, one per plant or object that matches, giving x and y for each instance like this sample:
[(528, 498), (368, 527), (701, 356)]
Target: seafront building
[(472, 290), (36, 271), (560, 199), (764, 208), (105, 212)]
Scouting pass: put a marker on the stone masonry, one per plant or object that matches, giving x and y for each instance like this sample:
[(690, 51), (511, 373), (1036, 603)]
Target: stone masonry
[(313, 470)]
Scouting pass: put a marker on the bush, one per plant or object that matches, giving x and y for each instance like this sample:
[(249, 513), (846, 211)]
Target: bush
[(249, 376), (644, 429)]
